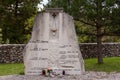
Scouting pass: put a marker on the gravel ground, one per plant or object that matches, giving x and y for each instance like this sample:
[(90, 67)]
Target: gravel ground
[(86, 76)]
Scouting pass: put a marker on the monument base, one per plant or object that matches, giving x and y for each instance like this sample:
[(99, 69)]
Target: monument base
[(56, 72)]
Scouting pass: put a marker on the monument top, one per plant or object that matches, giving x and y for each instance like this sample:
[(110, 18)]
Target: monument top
[(54, 10)]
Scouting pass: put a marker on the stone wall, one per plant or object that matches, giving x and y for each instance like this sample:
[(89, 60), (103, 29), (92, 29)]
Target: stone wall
[(12, 53), (89, 50)]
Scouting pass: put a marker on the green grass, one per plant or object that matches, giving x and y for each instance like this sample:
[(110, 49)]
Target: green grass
[(9, 69), (110, 65)]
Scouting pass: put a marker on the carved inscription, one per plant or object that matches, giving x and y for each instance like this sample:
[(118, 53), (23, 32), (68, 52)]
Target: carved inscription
[(63, 55)]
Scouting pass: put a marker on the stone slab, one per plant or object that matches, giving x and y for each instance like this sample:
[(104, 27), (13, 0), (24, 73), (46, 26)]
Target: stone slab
[(53, 44)]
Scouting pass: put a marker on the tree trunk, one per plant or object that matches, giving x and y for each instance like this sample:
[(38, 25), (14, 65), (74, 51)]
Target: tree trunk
[(99, 45), (16, 7), (99, 32)]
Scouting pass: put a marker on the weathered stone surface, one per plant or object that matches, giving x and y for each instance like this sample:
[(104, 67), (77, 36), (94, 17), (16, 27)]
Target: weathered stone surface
[(53, 45)]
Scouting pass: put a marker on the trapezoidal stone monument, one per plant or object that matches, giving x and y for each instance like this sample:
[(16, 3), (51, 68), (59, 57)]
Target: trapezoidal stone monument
[(53, 44)]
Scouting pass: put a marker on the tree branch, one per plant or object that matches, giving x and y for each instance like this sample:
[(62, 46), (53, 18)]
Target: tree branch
[(90, 34), (85, 22), (111, 34)]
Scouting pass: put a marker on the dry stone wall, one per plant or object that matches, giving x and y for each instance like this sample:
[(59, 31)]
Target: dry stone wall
[(12, 53), (89, 50)]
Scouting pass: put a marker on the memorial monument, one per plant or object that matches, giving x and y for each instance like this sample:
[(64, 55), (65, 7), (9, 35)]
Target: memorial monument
[(53, 44)]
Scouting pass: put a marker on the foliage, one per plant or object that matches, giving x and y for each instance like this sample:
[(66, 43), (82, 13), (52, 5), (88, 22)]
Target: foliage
[(28, 23), (86, 34), (13, 14), (82, 32)]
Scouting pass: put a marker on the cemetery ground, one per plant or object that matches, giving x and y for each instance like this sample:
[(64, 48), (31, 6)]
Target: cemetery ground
[(111, 64)]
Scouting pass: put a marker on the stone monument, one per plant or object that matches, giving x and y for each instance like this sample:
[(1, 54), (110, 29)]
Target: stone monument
[(53, 44)]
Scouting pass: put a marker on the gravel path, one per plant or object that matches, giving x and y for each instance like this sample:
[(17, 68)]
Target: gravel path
[(86, 76)]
